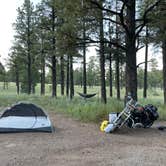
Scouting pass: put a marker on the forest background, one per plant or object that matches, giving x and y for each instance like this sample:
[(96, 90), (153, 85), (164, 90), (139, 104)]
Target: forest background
[(52, 38)]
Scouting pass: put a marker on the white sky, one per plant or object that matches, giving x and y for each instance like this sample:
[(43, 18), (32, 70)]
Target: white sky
[(151, 54), (8, 16)]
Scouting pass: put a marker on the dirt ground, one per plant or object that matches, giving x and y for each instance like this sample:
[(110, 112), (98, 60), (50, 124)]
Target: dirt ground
[(79, 144)]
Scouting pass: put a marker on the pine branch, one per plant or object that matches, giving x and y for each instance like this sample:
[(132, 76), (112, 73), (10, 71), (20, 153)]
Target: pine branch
[(113, 21), (141, 26), (104, 9), (91, 41), (121, 16), (138, 48), (143, 63), (117, 45)]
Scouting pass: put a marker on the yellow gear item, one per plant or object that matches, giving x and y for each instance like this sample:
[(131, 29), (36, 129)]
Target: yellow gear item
[(104, 125)]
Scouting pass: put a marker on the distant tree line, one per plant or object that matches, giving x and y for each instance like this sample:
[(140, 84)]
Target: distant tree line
[(54, 34), (154, 79)]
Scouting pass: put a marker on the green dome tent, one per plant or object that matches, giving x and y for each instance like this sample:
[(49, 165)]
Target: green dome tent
[(24, 117)]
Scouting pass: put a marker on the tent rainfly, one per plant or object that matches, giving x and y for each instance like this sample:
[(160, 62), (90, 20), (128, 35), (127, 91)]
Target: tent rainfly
[(24, 117)]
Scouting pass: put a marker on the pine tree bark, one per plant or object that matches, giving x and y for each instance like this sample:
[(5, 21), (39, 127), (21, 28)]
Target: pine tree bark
[(17, 80), (84, 61), (102, 60), (53, 76), (54, 83), (42, 90), (62, 75), (164, 68), (29, 73), (33, 88), (131, 69), (110, 73), (117, 77), (163, 46), (117, 59), (5, 82), (71, 78), (146, 65), (67, 76), (29, 70)]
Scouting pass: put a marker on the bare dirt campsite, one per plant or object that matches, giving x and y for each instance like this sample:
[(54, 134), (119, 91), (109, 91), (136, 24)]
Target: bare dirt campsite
[(75, 143)]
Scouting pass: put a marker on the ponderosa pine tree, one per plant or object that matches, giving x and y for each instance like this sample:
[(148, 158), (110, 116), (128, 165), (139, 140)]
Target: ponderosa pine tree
[(132, 27), (15, 66), (42, 44), (102, 57), (49, 26), (25, 35), (67, 35), (146, 64)]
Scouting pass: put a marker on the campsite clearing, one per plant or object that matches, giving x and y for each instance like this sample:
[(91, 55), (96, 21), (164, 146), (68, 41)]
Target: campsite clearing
[(76, 143)]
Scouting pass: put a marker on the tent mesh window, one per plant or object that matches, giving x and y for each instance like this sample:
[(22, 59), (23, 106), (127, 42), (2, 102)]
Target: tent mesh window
[(23, 109)]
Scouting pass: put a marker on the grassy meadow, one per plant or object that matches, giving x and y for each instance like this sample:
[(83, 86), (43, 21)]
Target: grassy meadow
[(90, 110)]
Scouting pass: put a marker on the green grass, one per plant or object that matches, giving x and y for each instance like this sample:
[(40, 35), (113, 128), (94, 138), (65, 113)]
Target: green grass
[(91, 110)]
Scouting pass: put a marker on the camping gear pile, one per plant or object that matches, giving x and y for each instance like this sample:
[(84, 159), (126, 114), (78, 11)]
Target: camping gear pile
[(133, 116), (24, 117)]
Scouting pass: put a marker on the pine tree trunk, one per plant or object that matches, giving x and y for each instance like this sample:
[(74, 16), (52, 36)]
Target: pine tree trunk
[(29, 73), (4, 81), (54, 83), (110, 73), (67, 76), (33, 88), (117, 59), (84, 61), (131, 69), (146, 65), (71, 78), (17, 81), (53, 76), (117, 77), (42, 79), (62, 75), (4, 85), (121, 77), (162, 31), (42, 92), (29, 69), (164, 68), (102, 60)]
